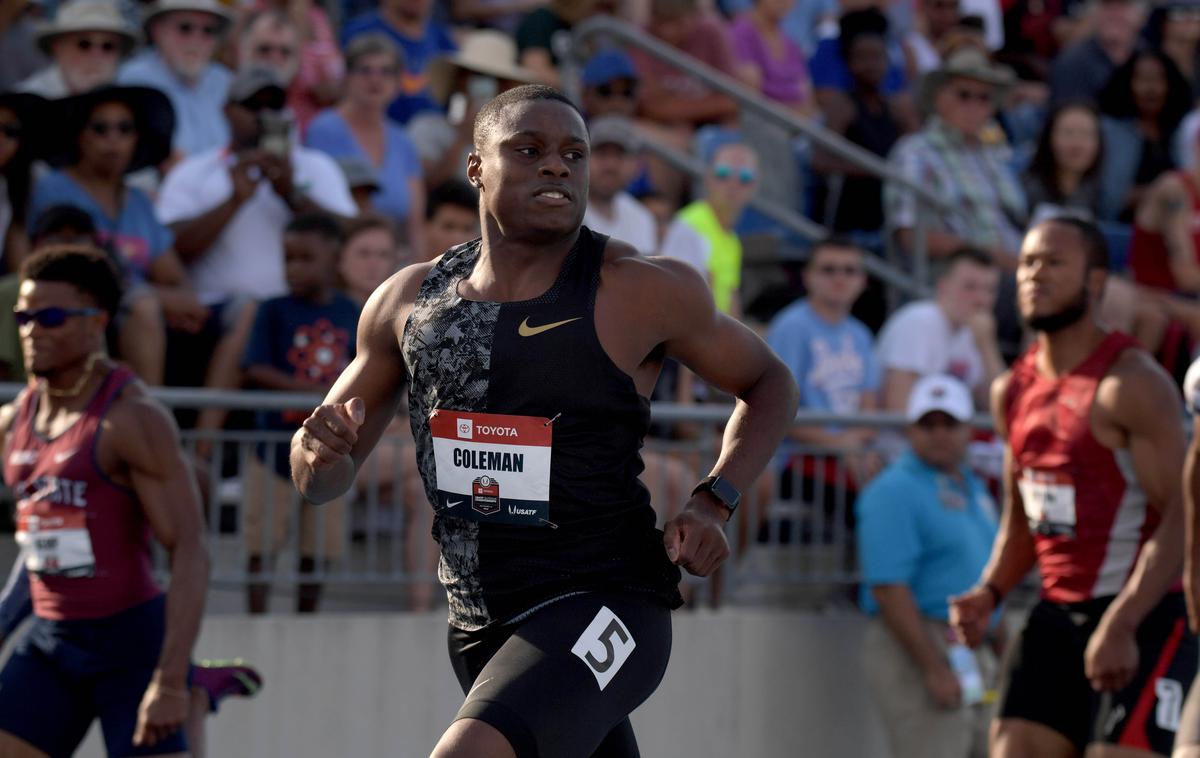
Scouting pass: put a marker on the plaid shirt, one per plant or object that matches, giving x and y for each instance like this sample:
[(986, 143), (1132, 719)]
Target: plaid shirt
[(977, 181)]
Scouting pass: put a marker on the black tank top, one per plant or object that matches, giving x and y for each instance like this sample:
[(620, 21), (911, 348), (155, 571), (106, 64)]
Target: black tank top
[(535, 359)]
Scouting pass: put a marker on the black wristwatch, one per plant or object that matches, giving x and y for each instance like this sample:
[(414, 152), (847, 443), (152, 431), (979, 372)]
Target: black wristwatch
[(722, 490)]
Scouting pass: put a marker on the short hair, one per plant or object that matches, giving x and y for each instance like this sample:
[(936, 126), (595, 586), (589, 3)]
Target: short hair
[(833, 241), (451, 192), (365, 223), (57, 219), (863, 23), (279, 19), (372, 44), (84, 267), (1095, 244), (493, 110), (317, 223), (964, 254)]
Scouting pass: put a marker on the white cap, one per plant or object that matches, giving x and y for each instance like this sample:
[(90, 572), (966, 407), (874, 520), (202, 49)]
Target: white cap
[(939, 392)]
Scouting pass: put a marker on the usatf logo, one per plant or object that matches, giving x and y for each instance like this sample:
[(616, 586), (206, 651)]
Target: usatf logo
[(466, 428)]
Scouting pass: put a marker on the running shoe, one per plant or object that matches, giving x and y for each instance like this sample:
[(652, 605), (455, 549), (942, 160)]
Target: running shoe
[(222, 679)]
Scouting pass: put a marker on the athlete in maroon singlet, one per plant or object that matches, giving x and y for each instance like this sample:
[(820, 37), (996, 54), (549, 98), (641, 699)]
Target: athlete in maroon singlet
[(97, 469), (1095, 446)]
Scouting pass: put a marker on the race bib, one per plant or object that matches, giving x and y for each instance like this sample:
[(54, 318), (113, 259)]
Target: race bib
[(492, 467), (1049, 499), (57, 545)]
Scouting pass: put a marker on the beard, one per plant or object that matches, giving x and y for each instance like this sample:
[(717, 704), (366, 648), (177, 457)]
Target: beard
[(1068, 315)]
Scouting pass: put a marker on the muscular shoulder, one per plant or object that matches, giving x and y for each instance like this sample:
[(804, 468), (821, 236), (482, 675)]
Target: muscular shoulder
[(655, 291), (389, 306), (140, 427), (1136, 390)]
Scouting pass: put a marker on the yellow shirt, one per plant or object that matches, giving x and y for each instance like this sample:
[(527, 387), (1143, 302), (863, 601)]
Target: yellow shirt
[(725, 251)]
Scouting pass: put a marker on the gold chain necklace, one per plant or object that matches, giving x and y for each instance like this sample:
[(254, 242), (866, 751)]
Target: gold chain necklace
[(82, 380)]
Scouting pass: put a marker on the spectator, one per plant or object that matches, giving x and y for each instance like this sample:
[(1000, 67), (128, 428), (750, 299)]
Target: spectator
[(780, 71), (451, 216), (362, 181), (22, 116), (613, 164), (924, 44), (17, 49), (954, 333), (269, 39), (1065, 170), (463, 82), (1164, 253), (831, 354), (300, 342), (827, 66), (610, 85), (421, 39), (1083, 69), (85, 42), (925, 531), (98, 138), (502, 15), (184, 35), (315, 84), (702, 233), (370, 254), (1143, 104), (1174, 28), (950, 156), (541, 26), (865, 116), (359, 127)]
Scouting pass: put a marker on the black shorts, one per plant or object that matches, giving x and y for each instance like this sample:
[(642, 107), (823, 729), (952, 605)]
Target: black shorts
[(1046, 683), (561, 682)]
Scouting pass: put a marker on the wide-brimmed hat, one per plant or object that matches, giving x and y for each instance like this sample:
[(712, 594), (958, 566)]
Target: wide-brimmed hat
[(152, 114), (31, 112), (86, 16), (486, 52), (968, 63), (159, 7)]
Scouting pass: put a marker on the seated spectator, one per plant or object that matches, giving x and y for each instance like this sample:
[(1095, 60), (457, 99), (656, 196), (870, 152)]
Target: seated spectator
[(1174, 28), (183, 36), (865, 116), (300, 342), (362, 181), (451, 217), (315, 84), (20, 54), (1082, 70), (954, 333), (924, 45), (269, 39), (1142, 105), (1164, 253), (613, 164), (359, 127), (702, 233), (925, 531), (831, 355), (1065, 170), (827, 66), (483, 67), (950, 156), (780, 71), (420, 38), (540, 27), (22, 118), (503, 15), (610, 85), (370, 254), (100, 137), (85, 43)]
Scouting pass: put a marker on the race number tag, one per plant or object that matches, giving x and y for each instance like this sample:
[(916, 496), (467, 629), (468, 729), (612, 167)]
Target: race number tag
[(1049, 499), (492, 467), (604, 646), (56, 544)]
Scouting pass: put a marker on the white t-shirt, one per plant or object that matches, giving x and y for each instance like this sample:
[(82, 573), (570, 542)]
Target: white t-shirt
[(682, 241), (631, 222), (247, 258), (1191, 388), (918, 338)]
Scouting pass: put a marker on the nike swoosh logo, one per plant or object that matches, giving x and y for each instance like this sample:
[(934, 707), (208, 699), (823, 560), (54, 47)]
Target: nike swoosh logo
[(525, 330), (452, 503)]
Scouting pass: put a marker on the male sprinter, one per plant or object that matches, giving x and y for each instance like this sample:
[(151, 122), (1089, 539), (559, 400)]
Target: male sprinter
[(531, 354)]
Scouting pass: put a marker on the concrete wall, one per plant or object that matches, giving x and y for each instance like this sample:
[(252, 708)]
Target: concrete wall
[(741, 684)]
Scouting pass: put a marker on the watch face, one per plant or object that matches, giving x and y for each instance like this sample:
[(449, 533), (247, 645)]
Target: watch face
[(726, 492)]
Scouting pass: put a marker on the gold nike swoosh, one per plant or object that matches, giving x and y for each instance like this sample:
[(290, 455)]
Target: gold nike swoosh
[(525, 330)]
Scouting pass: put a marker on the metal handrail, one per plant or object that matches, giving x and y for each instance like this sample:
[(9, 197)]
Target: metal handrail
[(753, 101)]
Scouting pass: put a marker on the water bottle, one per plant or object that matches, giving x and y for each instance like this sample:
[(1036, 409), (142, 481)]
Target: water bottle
[(966, 668)]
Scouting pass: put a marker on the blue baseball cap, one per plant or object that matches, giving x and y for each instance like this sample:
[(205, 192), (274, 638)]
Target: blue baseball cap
[(607, 65)]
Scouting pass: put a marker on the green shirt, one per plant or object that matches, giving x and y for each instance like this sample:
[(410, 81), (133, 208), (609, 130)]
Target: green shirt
[(725, 251)]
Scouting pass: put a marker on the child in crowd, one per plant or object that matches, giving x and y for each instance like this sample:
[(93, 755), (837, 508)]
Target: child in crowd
[(451, 216), (300, 342), (370, 255)]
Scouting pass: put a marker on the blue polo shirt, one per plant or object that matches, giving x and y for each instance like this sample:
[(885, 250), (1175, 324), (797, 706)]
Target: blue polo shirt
[(921, 528), (199, 106)]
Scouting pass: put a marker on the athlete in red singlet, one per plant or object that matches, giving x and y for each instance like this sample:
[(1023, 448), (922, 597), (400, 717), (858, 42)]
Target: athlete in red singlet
[(1095, 447), (97, 469)]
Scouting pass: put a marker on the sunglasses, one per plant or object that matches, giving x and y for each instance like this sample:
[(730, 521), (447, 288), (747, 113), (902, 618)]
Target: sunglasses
[(972, 96), (266, 50), (85, 44), (609, 89), (829, 269), (10, 129), (744, 175), (187, 29), (52, 317), (102, 128)]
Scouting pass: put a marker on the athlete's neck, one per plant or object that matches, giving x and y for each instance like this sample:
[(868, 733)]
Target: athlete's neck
[(1061, 352), (510, 270), (70, 388)]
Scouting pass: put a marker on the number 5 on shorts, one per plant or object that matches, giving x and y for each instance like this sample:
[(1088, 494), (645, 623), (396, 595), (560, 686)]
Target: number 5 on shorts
[(604, 646)]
